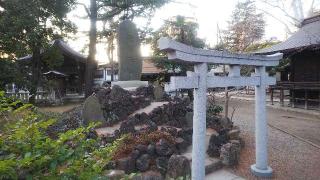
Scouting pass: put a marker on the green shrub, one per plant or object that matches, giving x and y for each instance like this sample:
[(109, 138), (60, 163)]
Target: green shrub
[(8, 104), (214, 109), (26, 151)]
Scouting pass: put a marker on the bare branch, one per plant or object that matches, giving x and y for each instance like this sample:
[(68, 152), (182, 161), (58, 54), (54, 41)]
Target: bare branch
[(278, 19), (282, 9), (311, 8), (110, 14), (85, 8)]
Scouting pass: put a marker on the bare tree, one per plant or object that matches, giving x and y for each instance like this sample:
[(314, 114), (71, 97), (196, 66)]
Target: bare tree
[(245, 27), (294, 10)]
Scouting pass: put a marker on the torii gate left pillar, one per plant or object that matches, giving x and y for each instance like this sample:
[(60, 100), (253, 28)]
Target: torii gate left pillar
[(199, 122), (200, 81)]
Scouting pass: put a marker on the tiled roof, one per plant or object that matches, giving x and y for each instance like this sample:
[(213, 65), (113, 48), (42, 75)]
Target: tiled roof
[(66, 50), (148, 67), (307, 35)]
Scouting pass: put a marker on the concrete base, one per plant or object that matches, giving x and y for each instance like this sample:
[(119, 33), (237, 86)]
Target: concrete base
[(130, 85), (261, 173)]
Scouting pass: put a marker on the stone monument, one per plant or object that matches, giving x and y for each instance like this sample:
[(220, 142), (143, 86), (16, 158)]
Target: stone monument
[(92, 111), (130, 61), (129, 57)]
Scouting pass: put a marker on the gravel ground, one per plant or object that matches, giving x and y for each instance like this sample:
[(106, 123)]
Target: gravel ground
[(60, 109), (289, 157)]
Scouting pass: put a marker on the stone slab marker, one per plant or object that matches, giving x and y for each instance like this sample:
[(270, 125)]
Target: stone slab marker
[(92, 111), (200, 80)]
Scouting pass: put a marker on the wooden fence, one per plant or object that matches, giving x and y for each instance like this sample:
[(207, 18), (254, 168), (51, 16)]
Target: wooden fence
[(292, 87), (25, 95)]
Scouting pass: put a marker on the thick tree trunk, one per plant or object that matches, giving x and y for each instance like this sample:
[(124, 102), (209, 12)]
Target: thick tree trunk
[(91, 63), (35, 74)]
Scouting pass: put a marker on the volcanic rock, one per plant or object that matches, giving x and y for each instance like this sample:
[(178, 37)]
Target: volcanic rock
[(178, 166), (143, 162), (127, 164), (164, 148), (162, 163), (114, 174)]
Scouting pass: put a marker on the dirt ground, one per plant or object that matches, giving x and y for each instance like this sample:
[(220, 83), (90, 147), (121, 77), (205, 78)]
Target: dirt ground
[(59, 109), (289, 156)]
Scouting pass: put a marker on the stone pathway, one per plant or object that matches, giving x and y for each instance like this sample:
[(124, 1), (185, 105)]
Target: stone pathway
[(222, 174), (149, 108), (212, 164), (111, 129)]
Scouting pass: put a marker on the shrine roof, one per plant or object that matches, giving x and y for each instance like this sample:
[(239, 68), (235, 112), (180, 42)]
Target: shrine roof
[(307, 36)]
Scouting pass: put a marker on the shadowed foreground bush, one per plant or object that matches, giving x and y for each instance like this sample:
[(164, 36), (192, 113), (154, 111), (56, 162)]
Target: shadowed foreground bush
[(27, 152)]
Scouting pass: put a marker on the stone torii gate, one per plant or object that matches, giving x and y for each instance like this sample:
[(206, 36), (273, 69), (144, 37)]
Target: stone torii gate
[(200, 80)]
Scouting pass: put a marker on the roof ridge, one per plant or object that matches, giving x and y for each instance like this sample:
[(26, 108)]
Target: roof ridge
[(311, 20)]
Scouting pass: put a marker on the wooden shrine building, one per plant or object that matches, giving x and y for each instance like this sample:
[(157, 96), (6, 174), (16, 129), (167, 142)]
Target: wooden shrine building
[(69, 76), (301, 77)]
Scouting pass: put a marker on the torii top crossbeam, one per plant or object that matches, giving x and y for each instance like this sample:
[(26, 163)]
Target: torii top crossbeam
[(182, 52)]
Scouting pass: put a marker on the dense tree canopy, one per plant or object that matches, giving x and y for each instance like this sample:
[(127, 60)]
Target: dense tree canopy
[(245, 27), (28, 26), (181, 29)]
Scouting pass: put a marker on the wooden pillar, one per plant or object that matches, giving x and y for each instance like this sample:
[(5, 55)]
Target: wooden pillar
[(271, 96), (306, 99), (281, 97), (293, 98), (319, 99)]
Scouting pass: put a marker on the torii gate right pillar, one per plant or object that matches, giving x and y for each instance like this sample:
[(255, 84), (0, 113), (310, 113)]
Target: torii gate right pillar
[(261, 167)]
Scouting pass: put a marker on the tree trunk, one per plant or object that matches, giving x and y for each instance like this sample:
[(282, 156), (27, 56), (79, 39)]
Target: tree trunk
[(112, 66), (91, 63), (226, 103), (110, 55), (35, 74)]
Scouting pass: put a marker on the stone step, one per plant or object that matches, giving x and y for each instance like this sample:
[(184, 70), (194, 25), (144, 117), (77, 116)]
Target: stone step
[(211, 164), (104, 131)]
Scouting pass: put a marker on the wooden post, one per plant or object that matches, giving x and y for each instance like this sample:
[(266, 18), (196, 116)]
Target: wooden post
[(306, 99), (281, 97), (271, 96), (319, 99), (293, 98)]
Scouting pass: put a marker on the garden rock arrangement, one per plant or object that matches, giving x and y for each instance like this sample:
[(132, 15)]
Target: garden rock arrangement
[(154, 142), (67, 121), (117, 103), (226, 145), (178, 167), (152, 151)]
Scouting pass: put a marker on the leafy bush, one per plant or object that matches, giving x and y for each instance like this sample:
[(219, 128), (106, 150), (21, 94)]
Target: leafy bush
[(27, 152), (8, 104), (214, 109)]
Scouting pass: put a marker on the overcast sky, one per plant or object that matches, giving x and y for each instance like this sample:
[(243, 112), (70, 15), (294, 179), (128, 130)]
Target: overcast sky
[(208, 13)]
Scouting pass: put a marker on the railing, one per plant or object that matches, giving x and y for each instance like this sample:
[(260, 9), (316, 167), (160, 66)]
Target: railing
[(307, 87), (25, 95)]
